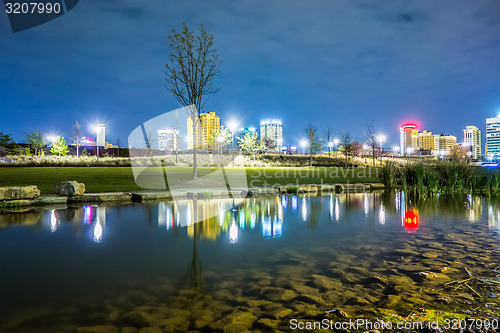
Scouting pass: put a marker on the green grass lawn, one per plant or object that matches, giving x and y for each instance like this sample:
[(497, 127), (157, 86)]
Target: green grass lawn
[(108, 179)]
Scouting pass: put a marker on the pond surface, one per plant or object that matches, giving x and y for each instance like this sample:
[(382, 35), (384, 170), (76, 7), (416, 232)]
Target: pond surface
[(252, 264)]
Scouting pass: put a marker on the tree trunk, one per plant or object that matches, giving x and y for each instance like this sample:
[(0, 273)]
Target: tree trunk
[(195, 166), (77, 149), (373, 155), (310, 158)]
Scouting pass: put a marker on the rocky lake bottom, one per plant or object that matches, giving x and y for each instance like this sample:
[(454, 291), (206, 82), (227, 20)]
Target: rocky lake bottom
[(253, 267)]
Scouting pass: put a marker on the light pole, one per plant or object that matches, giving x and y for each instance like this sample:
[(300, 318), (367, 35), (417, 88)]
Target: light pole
[(336, 142), (381, 139), (303, 144), (330, 145), (232, 127)]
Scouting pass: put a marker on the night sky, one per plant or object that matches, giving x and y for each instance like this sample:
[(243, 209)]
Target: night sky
[(337, 63)]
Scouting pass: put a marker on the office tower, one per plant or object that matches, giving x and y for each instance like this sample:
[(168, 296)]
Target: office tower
[(206, 126), (168, 139), (101, 135), (271, 132), (493, 137), (408, 139), (472, 139)]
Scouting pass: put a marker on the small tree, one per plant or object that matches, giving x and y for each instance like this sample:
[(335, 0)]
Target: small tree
[(59, 147), (37, 141), (251, 144), (347, 145), (328, 138), (77, 137), (371, 140), (220, 138), (313, 141), (194, 63)]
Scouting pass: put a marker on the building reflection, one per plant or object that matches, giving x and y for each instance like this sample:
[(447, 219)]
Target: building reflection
[(493, 216)]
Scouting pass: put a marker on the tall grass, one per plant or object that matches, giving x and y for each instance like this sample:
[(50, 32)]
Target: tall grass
[(441, 177)]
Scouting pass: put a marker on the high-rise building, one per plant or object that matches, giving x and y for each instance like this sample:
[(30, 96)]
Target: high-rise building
[(101, 135), (408, 135), (169, 139), (446, 144), (436, 144), (206, 127), (271, 131), (472, 139), (427, 141), (493, 137)]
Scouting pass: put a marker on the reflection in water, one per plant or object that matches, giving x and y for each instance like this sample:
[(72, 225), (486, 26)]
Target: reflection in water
[(381, 214), (53, 221), (230, 217), (411, 220)]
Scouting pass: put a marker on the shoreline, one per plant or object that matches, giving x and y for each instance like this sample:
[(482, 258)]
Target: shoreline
[(120, 197)]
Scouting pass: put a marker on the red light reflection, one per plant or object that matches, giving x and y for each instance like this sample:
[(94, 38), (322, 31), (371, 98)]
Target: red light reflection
[(411, 220)]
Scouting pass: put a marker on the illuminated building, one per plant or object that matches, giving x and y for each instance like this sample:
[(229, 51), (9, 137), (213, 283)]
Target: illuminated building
[(427, 141), (472, 139), (436, 144), (408, 139), (493, 137), (168, 139), (206, 125), (272, 131), (101, 135)]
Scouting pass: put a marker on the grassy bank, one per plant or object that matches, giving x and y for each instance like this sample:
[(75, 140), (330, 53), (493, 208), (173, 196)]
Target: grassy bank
[(108, 179), (441, 177)]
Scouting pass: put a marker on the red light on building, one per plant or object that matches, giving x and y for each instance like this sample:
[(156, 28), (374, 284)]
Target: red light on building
[(411, 220), (409, 126)]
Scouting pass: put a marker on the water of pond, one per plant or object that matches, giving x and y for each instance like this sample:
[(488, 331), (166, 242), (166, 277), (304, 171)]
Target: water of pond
[(251, 264)]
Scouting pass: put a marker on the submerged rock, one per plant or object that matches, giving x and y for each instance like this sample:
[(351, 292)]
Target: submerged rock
[(238, 321)]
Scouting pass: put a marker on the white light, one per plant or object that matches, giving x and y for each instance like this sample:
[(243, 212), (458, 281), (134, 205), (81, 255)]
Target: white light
[(336, 141), (233, 233), (232, 126), (97, 231), (303, 143), (330, 144)]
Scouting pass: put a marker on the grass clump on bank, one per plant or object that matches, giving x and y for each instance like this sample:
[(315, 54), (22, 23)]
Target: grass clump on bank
[(441, 177)]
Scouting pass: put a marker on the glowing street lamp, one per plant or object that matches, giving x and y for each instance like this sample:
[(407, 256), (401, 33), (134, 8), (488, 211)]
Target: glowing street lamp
[(96, 130), (381, 139), (303, 144), (336, 143), (232, 128), (330, 145)]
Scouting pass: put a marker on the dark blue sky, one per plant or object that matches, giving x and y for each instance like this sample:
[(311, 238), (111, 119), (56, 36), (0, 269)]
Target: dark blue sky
[(337, 63)]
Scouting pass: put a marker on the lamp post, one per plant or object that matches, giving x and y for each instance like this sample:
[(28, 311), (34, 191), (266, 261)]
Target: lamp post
[(303, 144), (381, 139), (232, 127), (365, 148), (336, 142), (330, 145)]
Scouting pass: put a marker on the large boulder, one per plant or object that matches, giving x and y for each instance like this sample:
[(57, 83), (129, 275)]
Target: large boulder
[(69, 188), (19, 192)]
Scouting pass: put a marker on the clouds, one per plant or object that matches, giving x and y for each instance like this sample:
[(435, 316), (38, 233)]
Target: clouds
[(323, 62)]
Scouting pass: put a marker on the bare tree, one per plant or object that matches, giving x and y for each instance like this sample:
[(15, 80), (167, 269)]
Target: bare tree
[(77, 137), (194, 63), (347, 145), (371, 140), (328, 138), (313, 141)]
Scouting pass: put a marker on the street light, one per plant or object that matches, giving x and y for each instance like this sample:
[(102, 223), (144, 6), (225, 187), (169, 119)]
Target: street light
[(336, 143), (96, 130), (330, 145), (365, 148), (232, 127), (381, 139), (303, 144)]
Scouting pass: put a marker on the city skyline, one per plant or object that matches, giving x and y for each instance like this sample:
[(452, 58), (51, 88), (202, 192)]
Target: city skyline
[(304, 64)]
